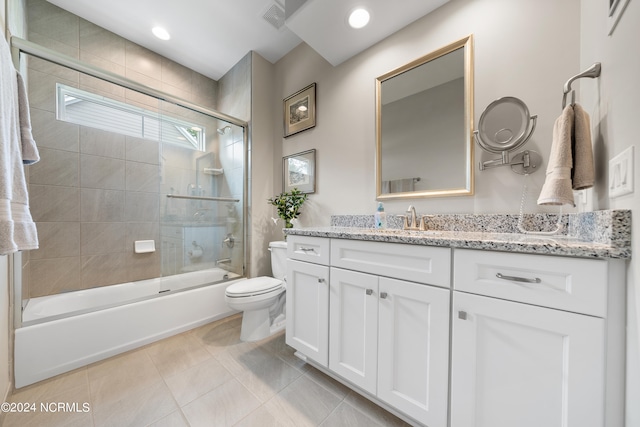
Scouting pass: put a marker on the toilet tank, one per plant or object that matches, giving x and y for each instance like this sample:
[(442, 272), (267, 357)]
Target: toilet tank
[(278, 259)]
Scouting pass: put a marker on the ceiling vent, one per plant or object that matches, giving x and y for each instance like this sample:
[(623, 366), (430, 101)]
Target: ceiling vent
[(275, 16)]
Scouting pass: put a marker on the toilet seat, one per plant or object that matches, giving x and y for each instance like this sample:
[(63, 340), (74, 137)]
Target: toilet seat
[(253, 287)]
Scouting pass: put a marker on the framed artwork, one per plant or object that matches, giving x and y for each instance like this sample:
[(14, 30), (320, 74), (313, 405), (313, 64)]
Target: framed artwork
[(616, 9), (300, 111), (299, 171)]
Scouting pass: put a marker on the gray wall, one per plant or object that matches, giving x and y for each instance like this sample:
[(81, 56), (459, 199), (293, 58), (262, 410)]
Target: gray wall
[(526, 49), (266, 163), (611, 101)]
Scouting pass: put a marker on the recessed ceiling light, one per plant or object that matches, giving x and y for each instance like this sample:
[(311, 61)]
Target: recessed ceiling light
[(161, 33), (359, 18)]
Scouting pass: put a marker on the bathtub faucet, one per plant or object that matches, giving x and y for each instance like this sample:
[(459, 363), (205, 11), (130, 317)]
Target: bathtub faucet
[(229, 240)]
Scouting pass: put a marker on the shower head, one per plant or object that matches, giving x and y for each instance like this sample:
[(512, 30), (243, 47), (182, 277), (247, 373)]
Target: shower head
[(224, 130)]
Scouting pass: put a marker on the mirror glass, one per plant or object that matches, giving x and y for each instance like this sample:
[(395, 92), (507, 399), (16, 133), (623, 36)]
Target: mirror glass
[(424, 126)]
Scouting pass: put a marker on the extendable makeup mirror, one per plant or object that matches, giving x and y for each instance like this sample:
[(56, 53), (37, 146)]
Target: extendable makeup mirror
[(504, 126)]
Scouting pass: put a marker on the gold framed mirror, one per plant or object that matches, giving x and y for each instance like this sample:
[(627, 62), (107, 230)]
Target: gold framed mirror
[(424, 126)]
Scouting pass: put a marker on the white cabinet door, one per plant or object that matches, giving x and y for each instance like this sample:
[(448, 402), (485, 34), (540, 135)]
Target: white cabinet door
[(308, 309), (413, 349), (354, 324), (521, 365)]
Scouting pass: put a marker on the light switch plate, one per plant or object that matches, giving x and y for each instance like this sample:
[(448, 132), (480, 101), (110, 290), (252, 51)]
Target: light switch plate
[(621, 174)]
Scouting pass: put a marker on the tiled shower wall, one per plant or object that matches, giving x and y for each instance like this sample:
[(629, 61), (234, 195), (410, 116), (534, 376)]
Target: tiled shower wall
[(95, 192)]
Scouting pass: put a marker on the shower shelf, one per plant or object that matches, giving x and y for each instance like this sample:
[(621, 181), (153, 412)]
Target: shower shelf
[(213, 171)]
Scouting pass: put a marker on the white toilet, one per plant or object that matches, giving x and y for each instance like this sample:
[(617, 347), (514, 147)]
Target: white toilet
[(262, 299)]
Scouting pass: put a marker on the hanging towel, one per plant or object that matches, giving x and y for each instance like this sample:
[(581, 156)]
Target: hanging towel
[(557, 188), (398, 185), (583, 173), (17, 148)]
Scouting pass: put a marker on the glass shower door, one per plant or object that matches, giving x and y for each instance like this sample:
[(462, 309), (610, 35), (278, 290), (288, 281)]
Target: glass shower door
[(202, 193)]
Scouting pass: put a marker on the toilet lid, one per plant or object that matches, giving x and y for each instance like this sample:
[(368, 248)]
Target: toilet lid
[(255, 286)]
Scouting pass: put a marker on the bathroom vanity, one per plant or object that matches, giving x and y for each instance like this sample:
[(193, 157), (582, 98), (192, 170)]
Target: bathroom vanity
[(465, 328)]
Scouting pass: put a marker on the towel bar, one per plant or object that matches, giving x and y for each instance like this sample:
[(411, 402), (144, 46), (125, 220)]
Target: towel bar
[(591, 72)]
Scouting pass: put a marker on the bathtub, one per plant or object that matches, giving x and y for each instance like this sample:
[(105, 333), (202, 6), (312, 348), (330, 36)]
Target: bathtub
[(70, 330)]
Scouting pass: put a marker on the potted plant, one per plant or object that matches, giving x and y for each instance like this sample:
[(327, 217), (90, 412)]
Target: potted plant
[(288, 205)]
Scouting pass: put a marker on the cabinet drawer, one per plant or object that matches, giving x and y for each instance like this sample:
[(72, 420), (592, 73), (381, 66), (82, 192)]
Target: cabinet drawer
[(422, 264), (572, 284), (309, 249)]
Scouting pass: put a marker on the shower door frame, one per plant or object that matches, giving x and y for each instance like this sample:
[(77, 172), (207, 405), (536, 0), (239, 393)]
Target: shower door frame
[(19, 45)]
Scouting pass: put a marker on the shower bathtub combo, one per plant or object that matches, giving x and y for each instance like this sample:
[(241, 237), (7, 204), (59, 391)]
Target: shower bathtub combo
[(87, 322)]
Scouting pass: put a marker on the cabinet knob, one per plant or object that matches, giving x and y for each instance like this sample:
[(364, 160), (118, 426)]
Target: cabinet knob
[(369, 291), (462, 315), (383, 295), (321, 280)]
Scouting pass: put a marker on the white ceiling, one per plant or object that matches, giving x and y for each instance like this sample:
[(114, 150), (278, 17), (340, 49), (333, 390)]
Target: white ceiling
[(211, 36)]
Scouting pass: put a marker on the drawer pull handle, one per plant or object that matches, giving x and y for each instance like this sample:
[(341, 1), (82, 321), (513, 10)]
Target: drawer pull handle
[(383, 295), (321, 280), (307, 249), (518, 279), (369, 291)]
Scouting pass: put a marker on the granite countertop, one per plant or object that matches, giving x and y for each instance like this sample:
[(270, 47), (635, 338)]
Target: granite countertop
[(604, 234)]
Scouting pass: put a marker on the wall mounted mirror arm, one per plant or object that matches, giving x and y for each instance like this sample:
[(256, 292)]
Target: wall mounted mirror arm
[(504, 126)]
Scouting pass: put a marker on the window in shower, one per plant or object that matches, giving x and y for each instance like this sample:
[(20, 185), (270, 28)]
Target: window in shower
[(96, 111)]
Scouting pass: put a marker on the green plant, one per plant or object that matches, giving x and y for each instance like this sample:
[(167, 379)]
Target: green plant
[(288, 205)]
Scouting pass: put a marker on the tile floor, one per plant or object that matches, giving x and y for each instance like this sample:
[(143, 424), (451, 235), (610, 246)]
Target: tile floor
[(203, 377)]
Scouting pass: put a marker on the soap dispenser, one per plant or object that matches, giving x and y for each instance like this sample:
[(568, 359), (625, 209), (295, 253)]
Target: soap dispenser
[(380, 217)]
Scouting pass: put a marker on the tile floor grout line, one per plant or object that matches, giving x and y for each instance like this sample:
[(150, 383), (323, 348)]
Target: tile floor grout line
[(164, 380), (250, 358)]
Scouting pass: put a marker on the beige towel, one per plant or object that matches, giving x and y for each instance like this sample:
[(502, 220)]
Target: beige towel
[(583, 174), (557, 188)]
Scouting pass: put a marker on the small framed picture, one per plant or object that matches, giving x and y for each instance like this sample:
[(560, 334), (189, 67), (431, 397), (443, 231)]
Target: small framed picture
[(616, 9), (299, 171), (300, 111)]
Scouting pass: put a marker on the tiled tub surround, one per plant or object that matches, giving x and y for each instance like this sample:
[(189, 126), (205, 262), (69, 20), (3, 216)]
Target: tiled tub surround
[(95, 192), (601, 234)]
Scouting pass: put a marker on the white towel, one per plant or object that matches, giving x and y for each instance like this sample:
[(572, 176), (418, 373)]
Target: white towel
[(17, 147)]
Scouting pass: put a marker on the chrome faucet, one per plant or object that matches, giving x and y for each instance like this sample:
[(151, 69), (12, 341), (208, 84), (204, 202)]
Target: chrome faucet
[(411, 221), (411, 210), (229, 240)]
